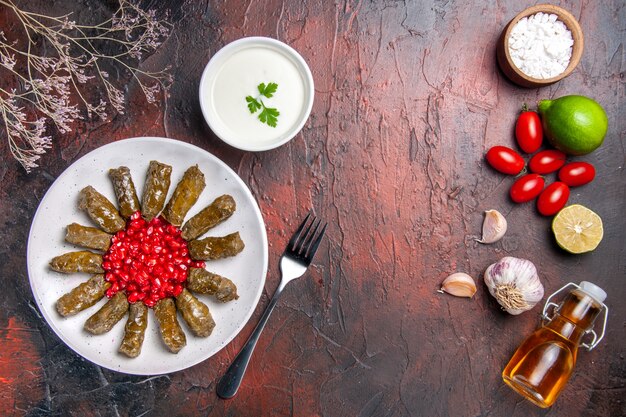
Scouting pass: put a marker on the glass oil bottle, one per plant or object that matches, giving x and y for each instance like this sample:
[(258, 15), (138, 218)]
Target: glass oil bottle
[(544, 362)]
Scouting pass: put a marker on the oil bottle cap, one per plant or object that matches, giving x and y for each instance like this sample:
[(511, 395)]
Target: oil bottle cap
[(593, 290)]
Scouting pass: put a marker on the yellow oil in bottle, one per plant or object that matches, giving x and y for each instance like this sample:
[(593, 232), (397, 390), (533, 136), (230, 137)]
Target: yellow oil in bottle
[(544, 362)]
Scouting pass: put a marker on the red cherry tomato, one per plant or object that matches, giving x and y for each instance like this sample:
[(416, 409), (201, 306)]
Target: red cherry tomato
[(505, 160), (528, 131), (545, 162), (553, 198), (527, 188), (575, 174)]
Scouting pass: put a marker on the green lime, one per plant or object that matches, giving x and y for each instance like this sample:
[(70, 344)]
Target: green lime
[(577, 229), (574, 124)]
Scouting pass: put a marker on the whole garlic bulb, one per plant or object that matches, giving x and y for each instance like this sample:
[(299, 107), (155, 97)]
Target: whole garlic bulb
[(515, 284)]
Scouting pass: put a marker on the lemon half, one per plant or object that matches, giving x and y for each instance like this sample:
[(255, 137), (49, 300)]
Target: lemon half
[(577, 229)]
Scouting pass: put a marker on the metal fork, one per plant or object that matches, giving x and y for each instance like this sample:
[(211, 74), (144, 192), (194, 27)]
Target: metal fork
[(293, 264)]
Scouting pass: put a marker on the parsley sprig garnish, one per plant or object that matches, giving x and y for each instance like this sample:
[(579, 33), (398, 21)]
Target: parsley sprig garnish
[(268, 115)]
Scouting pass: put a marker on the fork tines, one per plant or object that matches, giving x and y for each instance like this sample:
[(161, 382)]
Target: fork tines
[(304, 242)]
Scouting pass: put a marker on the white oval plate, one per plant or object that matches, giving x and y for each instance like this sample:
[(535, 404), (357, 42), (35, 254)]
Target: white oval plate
[(58, 208)]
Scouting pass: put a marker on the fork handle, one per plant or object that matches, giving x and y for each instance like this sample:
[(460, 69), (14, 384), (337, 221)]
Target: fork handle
[(229, 383)]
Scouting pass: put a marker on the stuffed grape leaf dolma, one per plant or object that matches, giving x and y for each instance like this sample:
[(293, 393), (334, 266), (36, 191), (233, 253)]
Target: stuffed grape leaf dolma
[(211, 248), (135, 330), (101, 210), (171, 332), (196, 314), (82, 297), (215, 213), (79, 261), (88, 237), (110, 313), (155, 189), (124, 191), (185, 196), (202, 281)]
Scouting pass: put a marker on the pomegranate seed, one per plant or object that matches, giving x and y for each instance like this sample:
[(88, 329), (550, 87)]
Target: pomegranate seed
[(147, 260)]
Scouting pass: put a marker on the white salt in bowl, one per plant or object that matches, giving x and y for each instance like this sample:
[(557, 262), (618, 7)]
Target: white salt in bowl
[(518, 76)]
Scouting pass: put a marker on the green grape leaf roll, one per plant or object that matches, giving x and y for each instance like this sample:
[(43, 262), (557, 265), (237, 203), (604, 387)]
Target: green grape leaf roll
[(88, 237), (202, 281), (171, 332), (215, 213), (82, 297), (211, 248), (104, 319), (135, 330), (100, 210), (196, 314), (155, 189), (79, 261), (185, 196), (124, 191)]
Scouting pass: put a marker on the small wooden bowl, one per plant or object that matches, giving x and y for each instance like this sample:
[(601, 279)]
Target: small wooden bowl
[(514, 73)]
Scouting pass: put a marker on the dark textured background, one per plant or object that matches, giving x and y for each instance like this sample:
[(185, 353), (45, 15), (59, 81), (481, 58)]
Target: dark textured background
[(408, 99)]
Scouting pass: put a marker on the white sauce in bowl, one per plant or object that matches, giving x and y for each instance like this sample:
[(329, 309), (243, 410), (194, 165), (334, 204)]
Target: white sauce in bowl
[(235, 73)]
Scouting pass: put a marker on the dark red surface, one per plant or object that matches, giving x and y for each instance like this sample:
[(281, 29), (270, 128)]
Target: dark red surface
[(408, 100)]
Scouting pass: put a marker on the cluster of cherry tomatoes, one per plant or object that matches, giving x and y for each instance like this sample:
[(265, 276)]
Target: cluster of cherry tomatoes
[(529, 135)]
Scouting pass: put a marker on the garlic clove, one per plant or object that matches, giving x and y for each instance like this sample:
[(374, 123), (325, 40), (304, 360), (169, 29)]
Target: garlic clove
[(494, 227), (515, 284), (459, 284)]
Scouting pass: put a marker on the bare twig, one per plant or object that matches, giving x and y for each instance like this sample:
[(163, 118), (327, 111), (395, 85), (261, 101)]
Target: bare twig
[(42, 85)]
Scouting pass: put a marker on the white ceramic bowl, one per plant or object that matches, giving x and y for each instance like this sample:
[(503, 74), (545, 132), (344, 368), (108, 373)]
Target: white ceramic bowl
[(235, 72)]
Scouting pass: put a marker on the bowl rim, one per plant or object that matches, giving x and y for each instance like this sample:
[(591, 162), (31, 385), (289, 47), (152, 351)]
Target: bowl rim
[(564, 16), (230, 49)]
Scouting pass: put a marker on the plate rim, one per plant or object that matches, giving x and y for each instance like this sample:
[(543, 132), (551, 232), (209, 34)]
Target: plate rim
[(264, 250)]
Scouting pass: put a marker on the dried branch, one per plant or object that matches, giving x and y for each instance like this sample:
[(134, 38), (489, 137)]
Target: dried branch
[(43, 86)]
